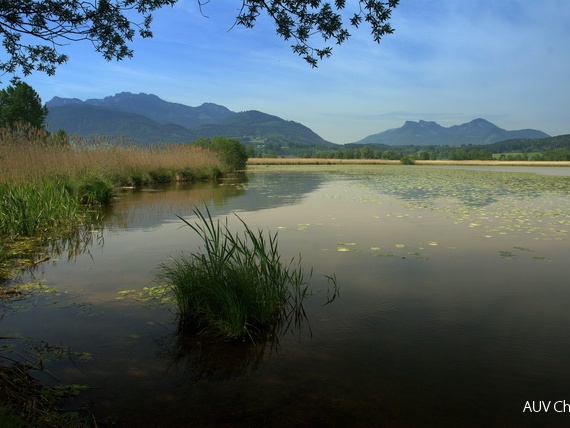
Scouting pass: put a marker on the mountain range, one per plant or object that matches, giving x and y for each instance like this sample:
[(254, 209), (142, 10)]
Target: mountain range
[(147, 119), (422, 133)]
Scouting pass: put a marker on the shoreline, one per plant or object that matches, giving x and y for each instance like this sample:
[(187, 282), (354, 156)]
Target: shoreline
[(324, 161)]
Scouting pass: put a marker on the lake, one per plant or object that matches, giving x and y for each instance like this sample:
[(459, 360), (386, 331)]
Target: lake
[(453, 304)]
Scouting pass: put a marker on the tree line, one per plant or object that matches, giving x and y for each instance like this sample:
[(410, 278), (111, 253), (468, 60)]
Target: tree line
[(544, 149)]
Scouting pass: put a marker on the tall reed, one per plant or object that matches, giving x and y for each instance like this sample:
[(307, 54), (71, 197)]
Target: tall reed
[(39, 180), (31, 160), (238, 286)]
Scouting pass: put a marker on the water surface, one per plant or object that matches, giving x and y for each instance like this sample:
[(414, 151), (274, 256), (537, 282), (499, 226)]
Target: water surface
[(453, 303)]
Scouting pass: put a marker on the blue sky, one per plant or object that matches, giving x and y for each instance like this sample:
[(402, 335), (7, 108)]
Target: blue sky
[(450, 61)]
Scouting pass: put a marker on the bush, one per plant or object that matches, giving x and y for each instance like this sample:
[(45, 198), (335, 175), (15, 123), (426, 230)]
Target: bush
[(231, 152), (95, 191), (238, 287), (407, 160), (162, 175)]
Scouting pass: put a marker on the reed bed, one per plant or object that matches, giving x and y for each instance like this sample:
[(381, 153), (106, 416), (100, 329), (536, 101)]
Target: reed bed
[(32, 161), (43, 185), (237, 287), (48, 186)]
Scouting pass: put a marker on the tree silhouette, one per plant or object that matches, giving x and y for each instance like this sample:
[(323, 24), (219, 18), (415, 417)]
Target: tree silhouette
[(32, 31)]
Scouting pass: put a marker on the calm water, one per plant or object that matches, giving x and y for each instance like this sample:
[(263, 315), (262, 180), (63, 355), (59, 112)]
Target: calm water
[(453, 308)]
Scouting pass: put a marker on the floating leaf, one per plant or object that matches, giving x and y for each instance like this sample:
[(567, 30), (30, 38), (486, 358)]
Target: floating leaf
[(84, 356), (344, 249), (507, 255), (419, 255)]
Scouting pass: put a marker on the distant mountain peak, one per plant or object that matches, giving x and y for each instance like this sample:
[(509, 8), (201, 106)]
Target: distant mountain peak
[(57, 101), (478, 131), (481, 122)]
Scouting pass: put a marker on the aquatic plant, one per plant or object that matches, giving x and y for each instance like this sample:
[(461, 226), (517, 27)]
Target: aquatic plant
[(237, 286), (25, 402), (95, 191), (28, 209)]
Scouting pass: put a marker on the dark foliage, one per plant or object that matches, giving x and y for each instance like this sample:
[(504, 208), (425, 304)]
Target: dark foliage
[(542, 149), (231, 152), (21, 104), (303, 21)]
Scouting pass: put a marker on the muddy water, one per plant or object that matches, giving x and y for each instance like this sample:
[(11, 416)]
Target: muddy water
[(453, 304)]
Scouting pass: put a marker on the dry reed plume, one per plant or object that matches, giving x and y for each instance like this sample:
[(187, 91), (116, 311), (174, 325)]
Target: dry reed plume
[(25, 158)]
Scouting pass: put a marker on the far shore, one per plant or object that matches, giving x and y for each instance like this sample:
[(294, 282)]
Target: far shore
[(310, 161)]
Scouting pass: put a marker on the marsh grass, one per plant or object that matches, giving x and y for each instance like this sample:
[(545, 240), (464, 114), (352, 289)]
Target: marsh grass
[(50, 189), (31, 160), (30, 208), (237, 287)]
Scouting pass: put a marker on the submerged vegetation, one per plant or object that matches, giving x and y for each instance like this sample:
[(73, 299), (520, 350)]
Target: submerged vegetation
[(238, 287), (25, 402)]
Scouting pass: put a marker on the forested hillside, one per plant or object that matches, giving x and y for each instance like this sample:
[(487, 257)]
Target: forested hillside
[(542, 149)]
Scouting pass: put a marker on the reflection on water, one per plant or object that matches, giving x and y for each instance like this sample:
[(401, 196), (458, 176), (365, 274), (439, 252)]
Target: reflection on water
[(197, 358), (453, 306), (148, 208)]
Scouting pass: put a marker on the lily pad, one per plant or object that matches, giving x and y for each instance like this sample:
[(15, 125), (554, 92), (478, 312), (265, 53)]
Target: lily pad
[(507, 255)]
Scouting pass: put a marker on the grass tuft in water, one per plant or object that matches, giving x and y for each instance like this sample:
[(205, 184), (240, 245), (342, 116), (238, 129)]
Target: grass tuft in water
[(237, 287)]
